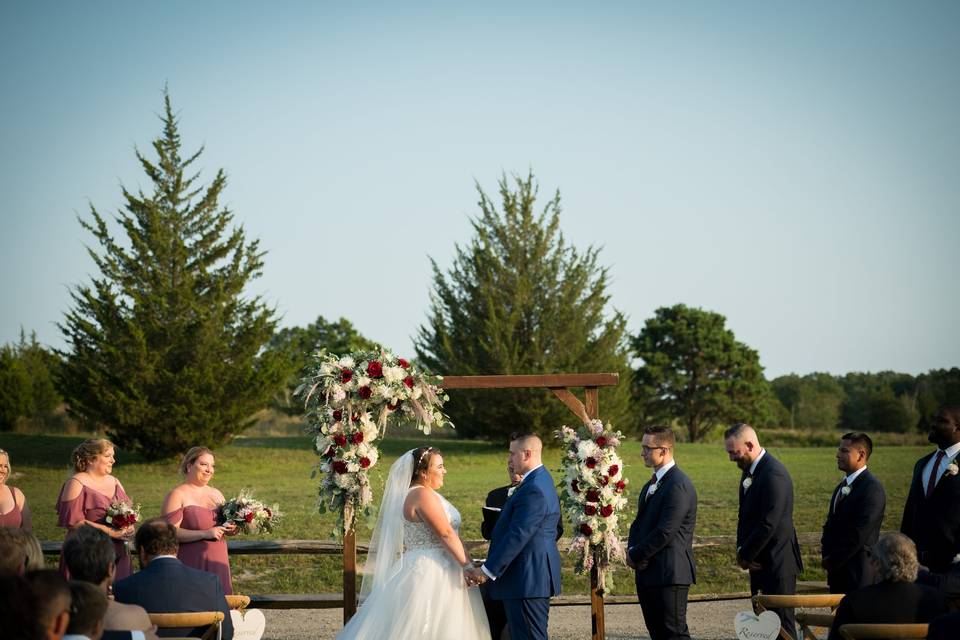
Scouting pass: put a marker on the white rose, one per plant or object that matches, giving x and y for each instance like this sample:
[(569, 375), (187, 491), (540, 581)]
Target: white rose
[(952, 469), (363, 381), (384, 391), (373, 455), (346, 362), (747, 482), (587, 449), (338, 394), (327, 369), (394, 374), (845, 490), (415, 393)]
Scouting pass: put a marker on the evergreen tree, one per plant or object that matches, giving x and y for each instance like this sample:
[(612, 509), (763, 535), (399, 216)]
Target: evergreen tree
[(696, 372), (165, 350), (520, 300), (27, 390)]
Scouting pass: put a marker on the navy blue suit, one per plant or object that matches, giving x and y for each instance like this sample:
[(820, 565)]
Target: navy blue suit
[(523, 555), (853, 524), (661, 537), (933, 523), (166, 585)]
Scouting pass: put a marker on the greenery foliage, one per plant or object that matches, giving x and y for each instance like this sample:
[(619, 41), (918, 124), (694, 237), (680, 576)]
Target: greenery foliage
[(27, 389), (520, 300), (695, 372), (164, 349)]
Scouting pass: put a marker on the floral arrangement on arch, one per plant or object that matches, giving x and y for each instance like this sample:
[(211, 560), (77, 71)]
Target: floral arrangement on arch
[(592, 495), (349, 401)]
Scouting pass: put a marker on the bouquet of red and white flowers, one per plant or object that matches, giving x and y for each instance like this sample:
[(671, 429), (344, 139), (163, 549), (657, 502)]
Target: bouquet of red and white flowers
[(349, 400), (121, 515), (592, 495), (249, 514)]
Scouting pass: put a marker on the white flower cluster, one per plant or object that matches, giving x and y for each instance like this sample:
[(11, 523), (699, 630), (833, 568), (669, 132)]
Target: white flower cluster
[(592, 493)]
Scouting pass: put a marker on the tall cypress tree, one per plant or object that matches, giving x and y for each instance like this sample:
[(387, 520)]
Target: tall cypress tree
[(165, 349), (520, 300)]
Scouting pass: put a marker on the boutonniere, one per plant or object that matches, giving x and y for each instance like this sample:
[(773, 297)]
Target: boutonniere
[(845, 491), (511, 490), (652, 489), (952, 469), (747, 482)]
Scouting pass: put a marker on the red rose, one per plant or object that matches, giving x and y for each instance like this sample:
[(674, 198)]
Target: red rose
[(614, 469), (329, 453), (590, 509), (585, 529), (131, 519), (606, 511), (340, 440), (393, 406), (604, 481), (601, 441), (575, 486), (340, 466), (375, 369), (591, 463), (249, 517), (365, 392), (364, 463), (593, 495), (408, 382), (346, 375), (117, 521), (337, 415), (403, 363), (357, 437), (621, 485)]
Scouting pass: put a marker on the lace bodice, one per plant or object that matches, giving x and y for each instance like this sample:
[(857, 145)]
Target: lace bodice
[(419, 535)]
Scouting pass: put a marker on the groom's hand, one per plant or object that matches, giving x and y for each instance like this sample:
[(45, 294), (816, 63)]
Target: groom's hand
[(473, 576)]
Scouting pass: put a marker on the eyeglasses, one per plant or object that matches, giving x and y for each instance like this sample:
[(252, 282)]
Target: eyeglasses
[(647, 449)]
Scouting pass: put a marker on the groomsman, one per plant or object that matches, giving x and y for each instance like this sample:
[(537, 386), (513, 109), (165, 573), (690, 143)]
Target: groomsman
[(931, 516), (767, 543), (853, 518), (660, 547)]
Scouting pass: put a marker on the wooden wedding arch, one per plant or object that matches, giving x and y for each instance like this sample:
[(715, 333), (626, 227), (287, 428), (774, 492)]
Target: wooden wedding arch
[(560, 385)]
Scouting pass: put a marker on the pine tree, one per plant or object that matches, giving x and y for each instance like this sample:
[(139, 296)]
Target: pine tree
[(164, 347), (520, 300)]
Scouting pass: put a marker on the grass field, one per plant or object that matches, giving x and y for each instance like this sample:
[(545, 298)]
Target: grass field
[(278, 470)]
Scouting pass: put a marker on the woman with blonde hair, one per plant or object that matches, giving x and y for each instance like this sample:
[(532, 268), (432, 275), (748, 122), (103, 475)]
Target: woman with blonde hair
[(193, 508), (88, 493), (14, 512)]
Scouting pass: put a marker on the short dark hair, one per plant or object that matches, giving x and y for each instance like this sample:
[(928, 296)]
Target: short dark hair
[(952, 410), (88, 553), (421, 460), (52, 593), (157, 537), (664, 435), (20, 609), (88, 605), (735, 430), (860, 439)]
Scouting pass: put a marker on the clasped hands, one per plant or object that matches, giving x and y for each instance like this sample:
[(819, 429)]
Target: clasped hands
[(750, 566), (473, 576)]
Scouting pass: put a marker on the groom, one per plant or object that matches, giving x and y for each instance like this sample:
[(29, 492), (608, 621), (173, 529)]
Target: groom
[(523, 564)]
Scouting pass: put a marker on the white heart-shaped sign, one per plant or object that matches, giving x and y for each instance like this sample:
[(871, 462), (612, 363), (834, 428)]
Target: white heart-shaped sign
[(248, 625), (748, 626)]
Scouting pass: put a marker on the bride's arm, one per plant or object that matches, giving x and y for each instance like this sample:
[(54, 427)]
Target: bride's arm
[(431, 511)]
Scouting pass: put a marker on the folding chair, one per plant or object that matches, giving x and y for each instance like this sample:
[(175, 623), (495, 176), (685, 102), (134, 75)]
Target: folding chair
[(883, 631), (237, 601), (190, 620), (808, 620)]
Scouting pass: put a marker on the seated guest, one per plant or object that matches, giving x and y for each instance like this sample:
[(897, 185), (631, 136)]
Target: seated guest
[(896, 599), (87, 608), (90, 557), (18, 610), (166, 585), (945, 627), (52, 596), (13, 555), (32, 549)]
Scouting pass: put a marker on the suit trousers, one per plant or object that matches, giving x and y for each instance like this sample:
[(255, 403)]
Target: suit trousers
[(496, 614), (527, 618), (768, 582), (665, 611)]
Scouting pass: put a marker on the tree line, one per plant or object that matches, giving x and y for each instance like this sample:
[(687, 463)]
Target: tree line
[(165, 350)]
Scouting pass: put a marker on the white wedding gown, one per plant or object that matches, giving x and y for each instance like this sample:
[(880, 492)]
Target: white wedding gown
[(427, 597)]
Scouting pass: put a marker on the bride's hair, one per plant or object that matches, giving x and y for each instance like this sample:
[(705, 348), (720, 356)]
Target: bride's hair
[(421, 460)]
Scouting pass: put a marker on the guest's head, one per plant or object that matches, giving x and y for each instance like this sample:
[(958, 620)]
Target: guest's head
[(428, 468), (52, 593), (657, 446), (32, 549), (4, 466), (90, 556), (156, 537), (945, 426), (87, 609), (13, 555), (854, 451), (18, 610), (198, 465), (896, 558), (93, 456), (742, 444), (526, 451)]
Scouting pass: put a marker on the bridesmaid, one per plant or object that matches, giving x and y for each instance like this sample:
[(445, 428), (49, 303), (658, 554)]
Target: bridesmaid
[(86, 496), (194, 509), (14, 513)]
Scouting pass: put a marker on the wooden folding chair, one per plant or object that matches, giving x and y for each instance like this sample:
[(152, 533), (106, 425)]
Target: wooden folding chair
[(190, 620), (808, 620), (238, 602), (883, 631)]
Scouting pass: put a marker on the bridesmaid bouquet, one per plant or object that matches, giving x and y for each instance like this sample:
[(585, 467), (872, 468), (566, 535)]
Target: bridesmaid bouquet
[(249, 514), (121, 515)]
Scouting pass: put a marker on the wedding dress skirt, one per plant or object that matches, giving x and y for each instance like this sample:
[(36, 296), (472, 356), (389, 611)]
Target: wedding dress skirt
[(426, 598)]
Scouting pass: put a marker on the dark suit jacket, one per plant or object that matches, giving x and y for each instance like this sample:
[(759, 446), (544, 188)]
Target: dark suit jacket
[(934, 524), (166, 585), (890, 603), (662, 533), (847, 532), (496, 499), (765, 532)]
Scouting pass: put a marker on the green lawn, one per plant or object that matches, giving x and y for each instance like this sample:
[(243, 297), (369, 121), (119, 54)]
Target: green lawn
[(278, 470)]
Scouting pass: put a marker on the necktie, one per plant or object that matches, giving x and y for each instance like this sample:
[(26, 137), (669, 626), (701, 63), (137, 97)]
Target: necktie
[(839, 495), (932, 480), (653, 483)]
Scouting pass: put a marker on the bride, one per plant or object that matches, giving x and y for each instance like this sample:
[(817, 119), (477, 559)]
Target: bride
[(413, 584)]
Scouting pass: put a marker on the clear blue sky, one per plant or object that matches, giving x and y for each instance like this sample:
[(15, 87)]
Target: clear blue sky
[(794, 166)]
